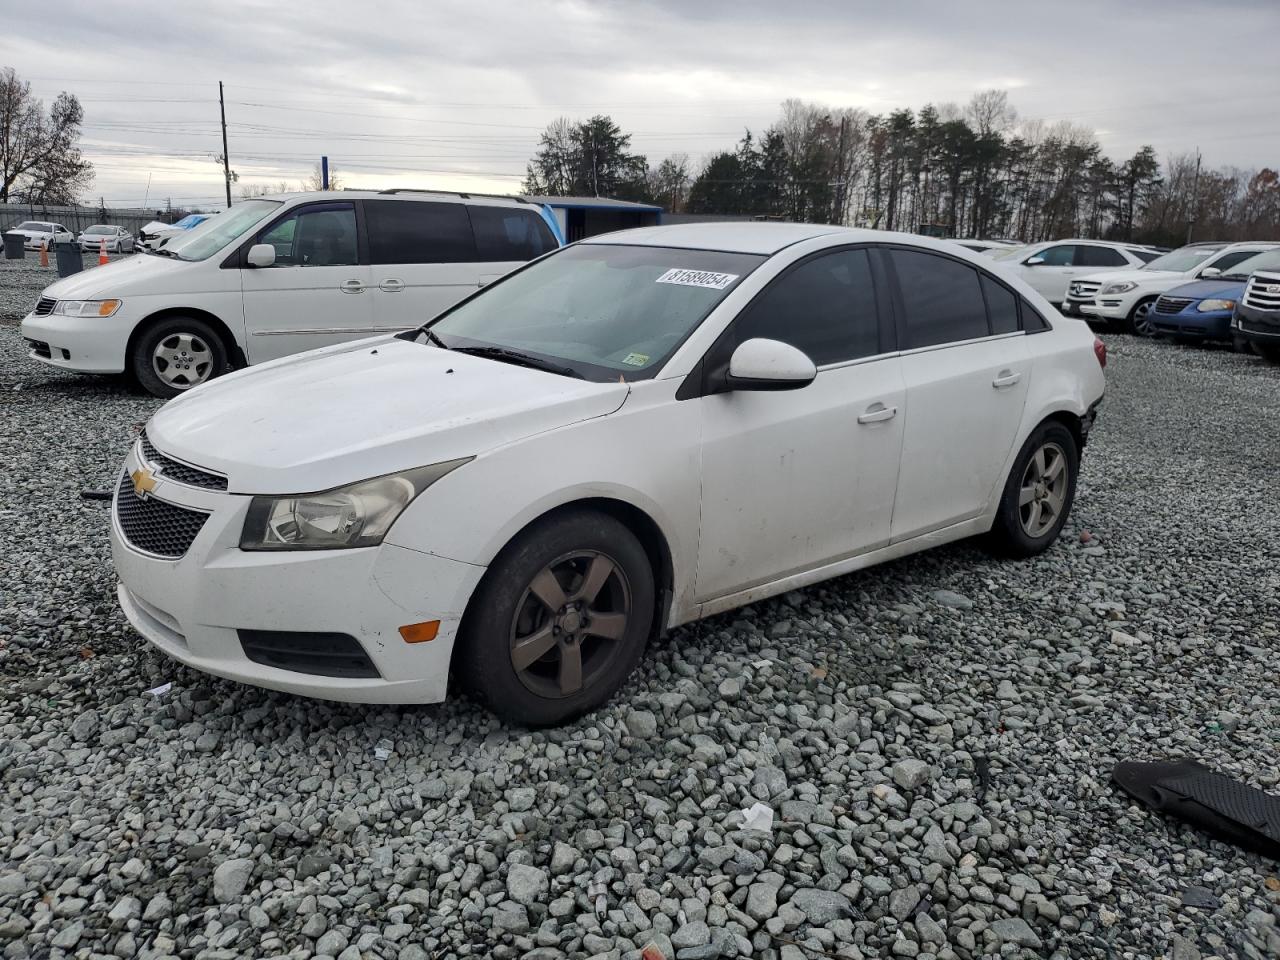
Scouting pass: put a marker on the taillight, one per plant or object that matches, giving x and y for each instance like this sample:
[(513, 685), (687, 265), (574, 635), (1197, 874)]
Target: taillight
[(1100, 351)]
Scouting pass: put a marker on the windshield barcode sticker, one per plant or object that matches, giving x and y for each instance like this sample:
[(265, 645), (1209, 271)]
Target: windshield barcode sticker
[(697, 278)]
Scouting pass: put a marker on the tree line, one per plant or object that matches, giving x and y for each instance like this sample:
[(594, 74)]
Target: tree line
[(972, 171)]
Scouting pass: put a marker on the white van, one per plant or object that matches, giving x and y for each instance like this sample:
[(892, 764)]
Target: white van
[(275, 276)]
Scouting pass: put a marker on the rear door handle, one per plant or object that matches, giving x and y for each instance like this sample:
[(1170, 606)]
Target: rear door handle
[(391, 285), (1007, 378), (352, 286), (878, 412)]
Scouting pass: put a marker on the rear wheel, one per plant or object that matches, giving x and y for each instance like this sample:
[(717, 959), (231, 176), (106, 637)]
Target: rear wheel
[(1140, 322), (560, 619), (1039, 492), (177, 354)]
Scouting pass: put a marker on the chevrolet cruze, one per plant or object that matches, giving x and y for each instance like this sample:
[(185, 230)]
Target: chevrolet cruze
[(625, 435)]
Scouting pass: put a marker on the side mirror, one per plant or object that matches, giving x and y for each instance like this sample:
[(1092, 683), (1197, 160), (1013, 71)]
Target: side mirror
[(1210, 272), (262, 255), (1034, 261), (760, 364)]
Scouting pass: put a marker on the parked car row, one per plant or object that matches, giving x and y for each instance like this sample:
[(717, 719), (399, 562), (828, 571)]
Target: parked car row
[(38, 233)]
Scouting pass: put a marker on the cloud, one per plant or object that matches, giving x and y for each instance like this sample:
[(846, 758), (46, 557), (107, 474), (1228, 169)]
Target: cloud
[(453, 94)]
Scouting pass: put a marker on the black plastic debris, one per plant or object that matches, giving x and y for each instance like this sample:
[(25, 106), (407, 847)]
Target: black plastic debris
[(1228, 809)]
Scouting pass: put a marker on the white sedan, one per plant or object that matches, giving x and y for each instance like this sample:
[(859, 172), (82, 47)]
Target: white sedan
[(117, 239), (637, 431)]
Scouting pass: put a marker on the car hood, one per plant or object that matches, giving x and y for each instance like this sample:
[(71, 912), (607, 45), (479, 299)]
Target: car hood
[(1142, 278), (332, 417), (1206, 289), (120, 278)]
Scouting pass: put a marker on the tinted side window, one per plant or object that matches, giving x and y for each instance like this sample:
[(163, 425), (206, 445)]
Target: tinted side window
[(506, 234), (411, 231), (1002, 306), (825, 307), (1063, 255), (322, 236), (1032, 320), (1146, 256), (1229, 260), (1099, 257), (942, 299)]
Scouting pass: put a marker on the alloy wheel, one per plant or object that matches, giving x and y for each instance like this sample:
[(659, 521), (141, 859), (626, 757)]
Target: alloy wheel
[(182, 360), (1043, 493), (570, 623), (1144, 324)]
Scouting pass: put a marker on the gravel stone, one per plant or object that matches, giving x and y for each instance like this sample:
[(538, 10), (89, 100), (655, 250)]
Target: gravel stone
[(1160, 645), (230, 879)]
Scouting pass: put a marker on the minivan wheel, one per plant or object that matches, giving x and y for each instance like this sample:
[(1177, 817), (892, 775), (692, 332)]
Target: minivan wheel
[(177, 354), (1039, 492), (559, 620), (1141, 323)]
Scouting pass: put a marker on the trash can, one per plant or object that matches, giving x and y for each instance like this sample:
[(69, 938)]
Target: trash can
[(14, 246), (70, 258)]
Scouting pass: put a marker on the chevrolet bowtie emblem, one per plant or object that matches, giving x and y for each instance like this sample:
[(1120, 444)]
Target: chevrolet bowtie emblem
[(144, 481)]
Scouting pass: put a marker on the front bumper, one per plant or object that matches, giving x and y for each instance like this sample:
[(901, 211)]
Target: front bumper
[(1259, 326), (82, 344), (193, 608), (1192, 323)]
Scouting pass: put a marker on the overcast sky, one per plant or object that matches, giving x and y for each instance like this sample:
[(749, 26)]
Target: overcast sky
[(452, 95)]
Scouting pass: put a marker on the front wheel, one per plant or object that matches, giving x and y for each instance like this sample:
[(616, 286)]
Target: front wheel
[(559, 620), (1039, 492), (1269, 352), (1141, 323), (177, 354)]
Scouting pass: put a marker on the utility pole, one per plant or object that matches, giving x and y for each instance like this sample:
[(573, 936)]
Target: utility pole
[(226, 162), (840, 174), (1195, 198), (324, 173)]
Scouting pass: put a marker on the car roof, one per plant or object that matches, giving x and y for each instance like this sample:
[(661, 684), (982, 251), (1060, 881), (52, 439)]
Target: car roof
[(733, 237), (435, 196)]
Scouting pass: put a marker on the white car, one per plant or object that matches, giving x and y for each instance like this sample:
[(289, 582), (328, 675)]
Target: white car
[(640, 430), (989, 247), (1127, 297), (272, 277), (117, 239), (1050, 266), (156, 233), (40, 232)]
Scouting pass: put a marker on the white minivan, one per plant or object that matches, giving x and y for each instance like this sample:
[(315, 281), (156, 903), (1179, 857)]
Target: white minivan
[(276, 276)]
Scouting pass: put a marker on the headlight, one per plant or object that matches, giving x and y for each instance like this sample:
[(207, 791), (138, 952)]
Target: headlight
[(1123, 286), (355, 516), (1208, 306), (86, 308)]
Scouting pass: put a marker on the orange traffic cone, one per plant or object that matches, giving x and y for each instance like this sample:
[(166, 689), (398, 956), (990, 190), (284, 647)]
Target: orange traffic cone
[(44, 253), (102, 253)]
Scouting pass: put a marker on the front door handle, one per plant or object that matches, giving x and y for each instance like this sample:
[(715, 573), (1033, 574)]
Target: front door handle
[(391, 285), (1007, 378), (878, 412), (352, 286)]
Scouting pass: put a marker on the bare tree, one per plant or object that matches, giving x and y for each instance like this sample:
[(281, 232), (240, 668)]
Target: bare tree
[(40, 157), (989, 111), (316, 180), (669, 181), (251, 190)]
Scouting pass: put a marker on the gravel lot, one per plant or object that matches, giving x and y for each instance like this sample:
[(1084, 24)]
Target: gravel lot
[(935, 737)]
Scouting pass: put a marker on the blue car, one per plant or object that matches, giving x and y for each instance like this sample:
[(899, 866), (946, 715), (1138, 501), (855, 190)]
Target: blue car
[(1200, 310)]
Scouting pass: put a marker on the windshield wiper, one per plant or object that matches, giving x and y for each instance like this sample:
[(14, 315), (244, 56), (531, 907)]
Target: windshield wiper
[(521, 359), (162, 252)]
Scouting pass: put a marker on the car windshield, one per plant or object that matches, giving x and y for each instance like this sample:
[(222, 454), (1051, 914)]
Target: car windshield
[(203, 241), (1182, 261), (1263, 261), (1015, 252), (597, 310), (33, 225), (100, 229)]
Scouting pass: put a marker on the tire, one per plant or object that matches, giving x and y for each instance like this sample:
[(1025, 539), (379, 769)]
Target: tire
[(1012, 534), (1267, 351), (554, 559), (1139, 322), (158, 363)]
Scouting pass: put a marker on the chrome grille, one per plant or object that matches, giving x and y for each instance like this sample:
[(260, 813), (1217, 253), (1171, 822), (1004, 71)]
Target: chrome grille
[(154, 526), (1172, 305), (1262, 293), (44, 306), (1084, 288), (180, 472)]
